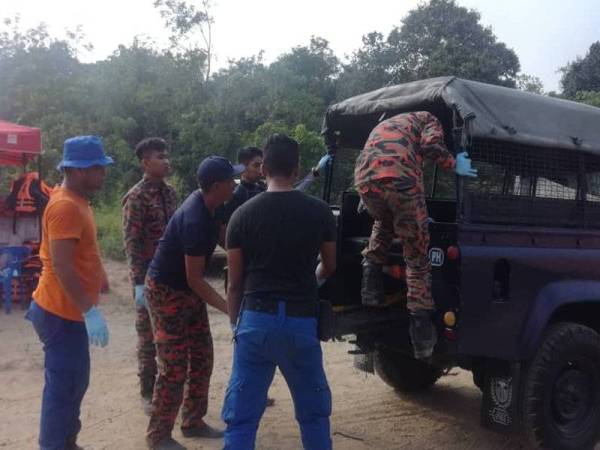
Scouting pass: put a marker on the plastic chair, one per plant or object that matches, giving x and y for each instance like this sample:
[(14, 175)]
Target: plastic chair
[(13, 258)]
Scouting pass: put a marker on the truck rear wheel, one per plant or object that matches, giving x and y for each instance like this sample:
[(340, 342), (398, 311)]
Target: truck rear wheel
[(561, 394), (403, 372)]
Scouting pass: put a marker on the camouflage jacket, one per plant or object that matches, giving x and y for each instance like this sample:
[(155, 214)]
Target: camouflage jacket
[(147, 208), (397, 147)]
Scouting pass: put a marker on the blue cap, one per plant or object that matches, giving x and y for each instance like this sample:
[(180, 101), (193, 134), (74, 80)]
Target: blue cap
[(84, 151), (217, 168)]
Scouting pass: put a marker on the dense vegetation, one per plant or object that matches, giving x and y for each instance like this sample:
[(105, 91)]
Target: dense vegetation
[(141, 90)]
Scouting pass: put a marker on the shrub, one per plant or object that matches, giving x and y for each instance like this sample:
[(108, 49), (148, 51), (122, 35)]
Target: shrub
[(110, 232)]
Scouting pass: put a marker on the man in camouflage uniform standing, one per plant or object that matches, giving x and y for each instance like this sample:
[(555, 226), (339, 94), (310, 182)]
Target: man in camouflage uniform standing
[(389, 178), (147, 208)]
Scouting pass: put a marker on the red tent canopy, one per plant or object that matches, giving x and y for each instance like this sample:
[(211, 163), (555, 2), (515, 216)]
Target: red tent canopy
[(18, 144)]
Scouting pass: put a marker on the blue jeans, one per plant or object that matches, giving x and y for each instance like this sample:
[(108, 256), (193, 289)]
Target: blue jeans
[(67, 374), (263, 342)]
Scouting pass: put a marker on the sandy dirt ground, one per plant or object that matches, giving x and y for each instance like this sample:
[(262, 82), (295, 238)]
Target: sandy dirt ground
[(367, 414)]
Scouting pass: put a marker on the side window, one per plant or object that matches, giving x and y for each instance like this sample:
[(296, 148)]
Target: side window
[(439, 184), (519, 170), (525, 185), (592, 195), (566, 189), (493, 177), (592, 165), (343, 174)]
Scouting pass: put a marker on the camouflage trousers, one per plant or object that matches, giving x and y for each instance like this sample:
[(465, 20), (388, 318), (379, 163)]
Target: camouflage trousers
[(146, 352), (402, 214), (185, 354)]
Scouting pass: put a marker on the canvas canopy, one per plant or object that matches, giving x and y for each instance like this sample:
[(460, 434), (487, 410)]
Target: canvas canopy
[(500, 113), (18, 144)]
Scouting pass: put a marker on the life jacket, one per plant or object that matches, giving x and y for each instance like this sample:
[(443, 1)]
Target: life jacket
[(33, 264), (28, 194)]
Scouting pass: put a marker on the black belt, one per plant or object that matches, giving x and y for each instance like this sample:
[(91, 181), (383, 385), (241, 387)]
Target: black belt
[(271, 306)]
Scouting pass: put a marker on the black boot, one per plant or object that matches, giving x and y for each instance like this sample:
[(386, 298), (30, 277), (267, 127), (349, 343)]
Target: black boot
[(202, 431), (167, 443), (371, 290), (72, 444), (423, 334)]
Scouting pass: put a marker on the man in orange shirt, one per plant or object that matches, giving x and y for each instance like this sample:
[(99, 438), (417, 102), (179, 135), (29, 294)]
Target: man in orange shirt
[(64, 312)]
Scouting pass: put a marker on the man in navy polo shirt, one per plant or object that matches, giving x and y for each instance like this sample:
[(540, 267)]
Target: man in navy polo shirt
[(177, 294)]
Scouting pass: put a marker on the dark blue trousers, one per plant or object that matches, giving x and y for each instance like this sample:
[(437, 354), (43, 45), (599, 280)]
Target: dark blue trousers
[(262, 343), (67, 374)]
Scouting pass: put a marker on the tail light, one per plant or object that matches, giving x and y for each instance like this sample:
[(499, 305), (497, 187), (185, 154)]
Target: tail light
[(453, 253)]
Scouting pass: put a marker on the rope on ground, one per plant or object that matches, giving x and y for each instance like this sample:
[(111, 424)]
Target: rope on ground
[(349, 436)]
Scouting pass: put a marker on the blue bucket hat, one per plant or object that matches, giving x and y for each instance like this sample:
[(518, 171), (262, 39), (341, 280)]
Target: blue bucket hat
[(84, 151), (217, 168)]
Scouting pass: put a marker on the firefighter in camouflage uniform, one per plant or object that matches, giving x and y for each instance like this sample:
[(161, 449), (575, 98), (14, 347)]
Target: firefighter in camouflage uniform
[(389, 178), (177, 293), (147, 208)]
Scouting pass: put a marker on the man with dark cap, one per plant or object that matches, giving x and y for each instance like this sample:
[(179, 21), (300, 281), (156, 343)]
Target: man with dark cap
[(177, 294), (147, 208), (64, 312), (273, 242)]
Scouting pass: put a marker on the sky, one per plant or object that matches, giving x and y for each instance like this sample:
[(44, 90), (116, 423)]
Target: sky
[(545, 34)]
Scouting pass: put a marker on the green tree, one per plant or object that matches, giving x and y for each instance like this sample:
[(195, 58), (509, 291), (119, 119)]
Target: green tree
[(41, 85), (240, 94), (301, 83), (589, 97), (583, 74), (310, 142), (295, 89), (185, 21), (313, 68), (438, 38), (530, 83), (442, 38), (372, 66)]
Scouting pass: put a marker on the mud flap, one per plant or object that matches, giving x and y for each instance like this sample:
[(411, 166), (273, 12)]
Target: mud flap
[(500, 406)]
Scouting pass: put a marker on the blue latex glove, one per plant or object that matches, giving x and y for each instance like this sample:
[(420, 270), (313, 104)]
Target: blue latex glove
[(324, 162), (96, 327), (140, 296), (305, 183), (463, 165)]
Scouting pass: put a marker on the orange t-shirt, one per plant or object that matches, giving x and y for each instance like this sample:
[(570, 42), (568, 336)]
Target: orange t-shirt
[(69, 216)]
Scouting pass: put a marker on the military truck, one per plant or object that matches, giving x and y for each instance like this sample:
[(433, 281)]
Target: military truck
[(515, 255)]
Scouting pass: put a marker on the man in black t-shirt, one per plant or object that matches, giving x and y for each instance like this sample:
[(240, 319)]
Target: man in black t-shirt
[(177, 294), (251, 182), (273, 241)]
